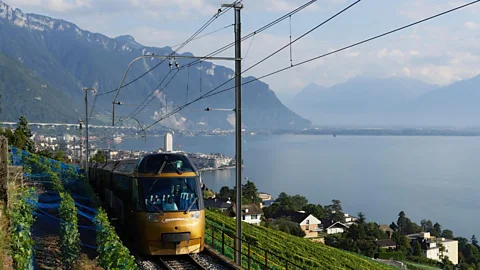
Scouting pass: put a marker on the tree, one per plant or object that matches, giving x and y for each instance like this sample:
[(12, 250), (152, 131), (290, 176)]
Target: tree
[(60, 156), (207, 194), (285, 201), (447, 234), (225, 193), (361, 218), (393, 226), (437, 230), (270, 211), (402, 222), (26, 134), (316, 210), (474, 241), (471, 253), (298, 202), (250, 193), (402, 241), (287, 226), (335, 210), (426, 225), (99, 157), (417, 249)]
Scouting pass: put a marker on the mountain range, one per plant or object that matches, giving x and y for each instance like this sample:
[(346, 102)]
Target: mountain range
[(45, 62), (390, 101)]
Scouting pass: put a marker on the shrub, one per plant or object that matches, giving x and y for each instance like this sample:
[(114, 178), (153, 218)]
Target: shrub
[(69, 235), (112, 254), (21, 220), (394, 255)]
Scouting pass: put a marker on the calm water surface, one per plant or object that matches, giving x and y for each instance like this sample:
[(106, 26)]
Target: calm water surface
[(427, 177)]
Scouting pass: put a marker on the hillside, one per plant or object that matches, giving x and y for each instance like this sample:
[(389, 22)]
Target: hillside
[(360, 101), (303, 252), (23, 92), (68, 58)]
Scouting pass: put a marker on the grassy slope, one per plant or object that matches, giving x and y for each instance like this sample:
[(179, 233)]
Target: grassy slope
[(305, 253)]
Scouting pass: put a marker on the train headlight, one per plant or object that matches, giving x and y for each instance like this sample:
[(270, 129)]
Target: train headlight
[(152, 217), (195, 215)]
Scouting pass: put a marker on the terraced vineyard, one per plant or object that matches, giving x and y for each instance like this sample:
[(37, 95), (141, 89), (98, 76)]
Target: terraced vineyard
[(303, 252)]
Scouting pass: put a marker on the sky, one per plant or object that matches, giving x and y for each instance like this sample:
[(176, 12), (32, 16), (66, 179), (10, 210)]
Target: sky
[(440, 51)]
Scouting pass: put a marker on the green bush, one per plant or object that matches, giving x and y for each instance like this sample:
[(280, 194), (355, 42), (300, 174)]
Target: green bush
[(423, 260), (21, 220), (112, 254), (394, 255), (69, 235)]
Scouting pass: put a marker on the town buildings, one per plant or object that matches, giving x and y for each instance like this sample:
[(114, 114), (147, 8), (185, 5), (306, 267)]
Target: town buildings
[(436, 248), (251, 213), (309, 224)]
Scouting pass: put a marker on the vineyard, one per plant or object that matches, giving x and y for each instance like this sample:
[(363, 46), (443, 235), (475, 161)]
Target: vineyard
[(57, 221), (302, 252)]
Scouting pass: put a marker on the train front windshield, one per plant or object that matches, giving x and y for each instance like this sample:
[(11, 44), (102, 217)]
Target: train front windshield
[(170, 194)]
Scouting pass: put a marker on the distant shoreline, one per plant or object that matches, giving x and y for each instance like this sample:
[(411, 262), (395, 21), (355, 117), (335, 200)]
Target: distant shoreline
[(217, 169)]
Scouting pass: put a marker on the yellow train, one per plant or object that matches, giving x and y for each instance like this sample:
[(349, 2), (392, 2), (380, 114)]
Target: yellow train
[(157, 200)]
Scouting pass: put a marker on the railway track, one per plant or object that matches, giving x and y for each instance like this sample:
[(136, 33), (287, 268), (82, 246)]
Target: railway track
[(184, 262)]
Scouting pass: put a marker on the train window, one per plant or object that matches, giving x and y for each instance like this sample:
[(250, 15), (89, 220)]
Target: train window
[(135, 194), (170, 194), (174, 163)]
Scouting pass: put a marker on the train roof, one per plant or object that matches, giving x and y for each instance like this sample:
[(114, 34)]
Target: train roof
[(111, 165), (174, 162)]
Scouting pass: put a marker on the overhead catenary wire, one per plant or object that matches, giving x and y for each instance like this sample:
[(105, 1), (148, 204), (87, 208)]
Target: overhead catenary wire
[(248, 49), (209, 93), (203, 27), (285, 46), (151, 93), (352, 45), (289, 44), (259, 30), (207, 34), (214, 17), (160, 91)]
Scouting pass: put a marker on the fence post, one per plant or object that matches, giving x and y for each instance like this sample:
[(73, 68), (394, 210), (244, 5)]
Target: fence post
[(249, 256), (286, 264), (223, 242), (266, 259), (3, 168)]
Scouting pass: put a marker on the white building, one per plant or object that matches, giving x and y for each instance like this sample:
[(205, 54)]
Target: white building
[(251, 213), (168, 142), (336, 227), (431, 246)]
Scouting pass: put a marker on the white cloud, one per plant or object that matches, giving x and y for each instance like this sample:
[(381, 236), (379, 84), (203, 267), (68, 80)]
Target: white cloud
[(414, 52), (472, 25)]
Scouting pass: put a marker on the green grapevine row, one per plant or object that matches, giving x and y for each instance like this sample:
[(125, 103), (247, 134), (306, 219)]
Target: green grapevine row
[(303, 252)]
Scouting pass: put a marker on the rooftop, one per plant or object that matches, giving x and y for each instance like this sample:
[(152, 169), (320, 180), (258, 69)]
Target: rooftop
[(385, 243)]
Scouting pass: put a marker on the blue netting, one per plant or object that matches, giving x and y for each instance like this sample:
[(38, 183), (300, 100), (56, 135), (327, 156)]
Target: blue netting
[(16, 157), (46, 206)]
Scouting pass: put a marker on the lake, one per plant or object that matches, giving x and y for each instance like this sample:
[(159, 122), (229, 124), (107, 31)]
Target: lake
[(434, 178)]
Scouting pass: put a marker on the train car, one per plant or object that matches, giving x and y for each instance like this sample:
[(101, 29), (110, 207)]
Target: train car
[(104, 182), (158, 201)]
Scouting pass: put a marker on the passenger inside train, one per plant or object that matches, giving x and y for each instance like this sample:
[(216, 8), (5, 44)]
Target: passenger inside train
[(170, 194)]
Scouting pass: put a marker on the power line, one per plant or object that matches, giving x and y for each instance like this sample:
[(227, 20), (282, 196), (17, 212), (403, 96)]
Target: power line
[(210, 21), (151, 93), (248, 49), (163, 88), (289, 44), (259, 30), (278, 20), (209, 93), (207, 34)]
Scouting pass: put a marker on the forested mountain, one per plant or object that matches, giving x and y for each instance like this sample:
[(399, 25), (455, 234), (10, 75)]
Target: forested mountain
[(66, 58)]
